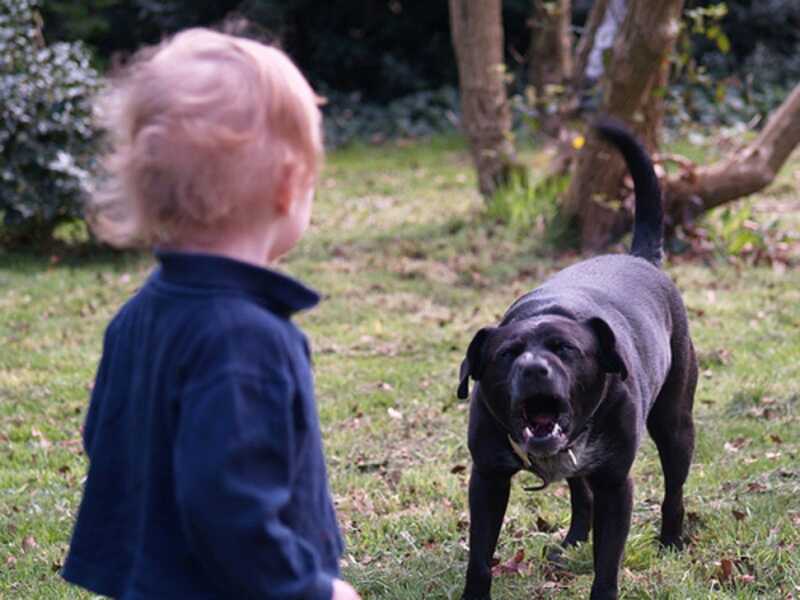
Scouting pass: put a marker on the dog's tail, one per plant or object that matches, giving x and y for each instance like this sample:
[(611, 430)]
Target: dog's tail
[(648, 225)]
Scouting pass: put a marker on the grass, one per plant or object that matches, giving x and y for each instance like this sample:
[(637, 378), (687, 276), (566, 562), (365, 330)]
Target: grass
[(411, 268)]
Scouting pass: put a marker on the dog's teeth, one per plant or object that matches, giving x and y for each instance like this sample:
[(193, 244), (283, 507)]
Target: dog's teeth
[(527, 433), (556, 429)]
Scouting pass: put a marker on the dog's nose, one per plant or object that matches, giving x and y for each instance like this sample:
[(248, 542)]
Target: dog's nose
[(534, 367)]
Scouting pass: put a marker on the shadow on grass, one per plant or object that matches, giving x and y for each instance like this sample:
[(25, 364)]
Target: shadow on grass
[(60, 255)]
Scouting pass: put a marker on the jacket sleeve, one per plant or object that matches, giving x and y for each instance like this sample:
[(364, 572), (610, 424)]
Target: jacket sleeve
[(233, 465)]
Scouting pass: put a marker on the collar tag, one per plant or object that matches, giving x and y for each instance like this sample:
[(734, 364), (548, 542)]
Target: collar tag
[(571, 455)]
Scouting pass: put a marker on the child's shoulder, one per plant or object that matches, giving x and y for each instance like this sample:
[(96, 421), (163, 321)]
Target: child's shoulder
[(218, 319)]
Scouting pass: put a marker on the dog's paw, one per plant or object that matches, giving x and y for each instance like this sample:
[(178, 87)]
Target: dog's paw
[(604, 593), (555, 556), (671, 543)]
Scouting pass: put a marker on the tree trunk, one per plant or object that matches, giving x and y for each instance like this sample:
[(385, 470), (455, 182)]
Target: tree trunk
[(748, 170), (550, 65), (586, 41), (477, 31), (638, 68)]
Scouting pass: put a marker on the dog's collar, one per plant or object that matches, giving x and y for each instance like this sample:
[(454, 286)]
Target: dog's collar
[(526, 460), (579, 431)]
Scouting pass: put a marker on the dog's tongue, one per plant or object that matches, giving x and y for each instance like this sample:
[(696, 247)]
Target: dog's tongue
[(541, 425), (542, 420)]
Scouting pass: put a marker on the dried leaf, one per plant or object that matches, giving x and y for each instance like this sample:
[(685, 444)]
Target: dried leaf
[(516, 565), (369, 466), (756, 487), (458, 469), (739, 515), (29, 543), (725, 569), (736, 444)]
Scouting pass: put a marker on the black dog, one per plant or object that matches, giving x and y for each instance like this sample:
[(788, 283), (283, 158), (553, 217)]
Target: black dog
[(567, 382)]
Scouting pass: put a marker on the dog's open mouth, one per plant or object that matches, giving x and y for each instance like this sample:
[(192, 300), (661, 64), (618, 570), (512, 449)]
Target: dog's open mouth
[(543, 422), (541, 427)]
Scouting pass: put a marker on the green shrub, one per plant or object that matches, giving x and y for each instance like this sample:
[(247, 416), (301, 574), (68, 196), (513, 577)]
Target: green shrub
[(349, 118), (532, 207), (46, 133)]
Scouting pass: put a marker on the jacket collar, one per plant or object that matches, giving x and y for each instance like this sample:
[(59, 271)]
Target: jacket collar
[(280, 293)]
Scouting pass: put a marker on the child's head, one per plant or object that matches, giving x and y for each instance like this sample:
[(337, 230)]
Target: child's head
[(208, 133)]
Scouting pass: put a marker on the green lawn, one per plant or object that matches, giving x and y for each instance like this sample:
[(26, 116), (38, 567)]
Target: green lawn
[(410, 268)]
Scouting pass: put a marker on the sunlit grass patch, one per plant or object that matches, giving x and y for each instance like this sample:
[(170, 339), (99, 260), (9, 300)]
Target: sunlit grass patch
[(410, 267)]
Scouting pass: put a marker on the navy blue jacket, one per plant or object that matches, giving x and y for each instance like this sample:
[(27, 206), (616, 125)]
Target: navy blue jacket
[(206, 472)]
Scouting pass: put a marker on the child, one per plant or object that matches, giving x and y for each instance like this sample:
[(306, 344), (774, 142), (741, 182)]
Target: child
[(206, 471)]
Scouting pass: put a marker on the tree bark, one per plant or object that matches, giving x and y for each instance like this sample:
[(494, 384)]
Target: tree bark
[(551, 45), (550, 64), (638, 67), (587, 40), (748, 170), (477, 32)]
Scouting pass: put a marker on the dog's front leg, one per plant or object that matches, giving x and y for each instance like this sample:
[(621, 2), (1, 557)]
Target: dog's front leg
[(613, 502), (488, 499), (580, 496)]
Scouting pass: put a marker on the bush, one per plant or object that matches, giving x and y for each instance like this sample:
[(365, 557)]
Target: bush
[(46, 133), (348, 118), (531, 207)]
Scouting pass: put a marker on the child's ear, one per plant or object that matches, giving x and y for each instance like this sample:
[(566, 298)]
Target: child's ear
[(285, 189)]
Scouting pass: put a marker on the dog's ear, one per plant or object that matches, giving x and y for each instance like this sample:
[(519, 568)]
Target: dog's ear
[(472, 365), (608, 354)]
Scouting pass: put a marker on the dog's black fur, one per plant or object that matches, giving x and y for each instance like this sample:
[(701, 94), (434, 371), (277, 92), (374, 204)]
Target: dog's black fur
[(572, 376)]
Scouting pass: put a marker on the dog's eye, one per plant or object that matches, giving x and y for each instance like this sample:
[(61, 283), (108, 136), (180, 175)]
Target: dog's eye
[(508, 353), (559, 347)]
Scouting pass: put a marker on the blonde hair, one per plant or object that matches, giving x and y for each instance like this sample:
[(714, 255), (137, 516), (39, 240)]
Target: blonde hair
[(200, 128)]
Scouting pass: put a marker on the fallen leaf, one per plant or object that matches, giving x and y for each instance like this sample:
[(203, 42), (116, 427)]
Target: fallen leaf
[(725, 569), (29, 543), (516, 565), (736, 444), (369, 466), (549, 585), (739, 515), (458, 469)]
